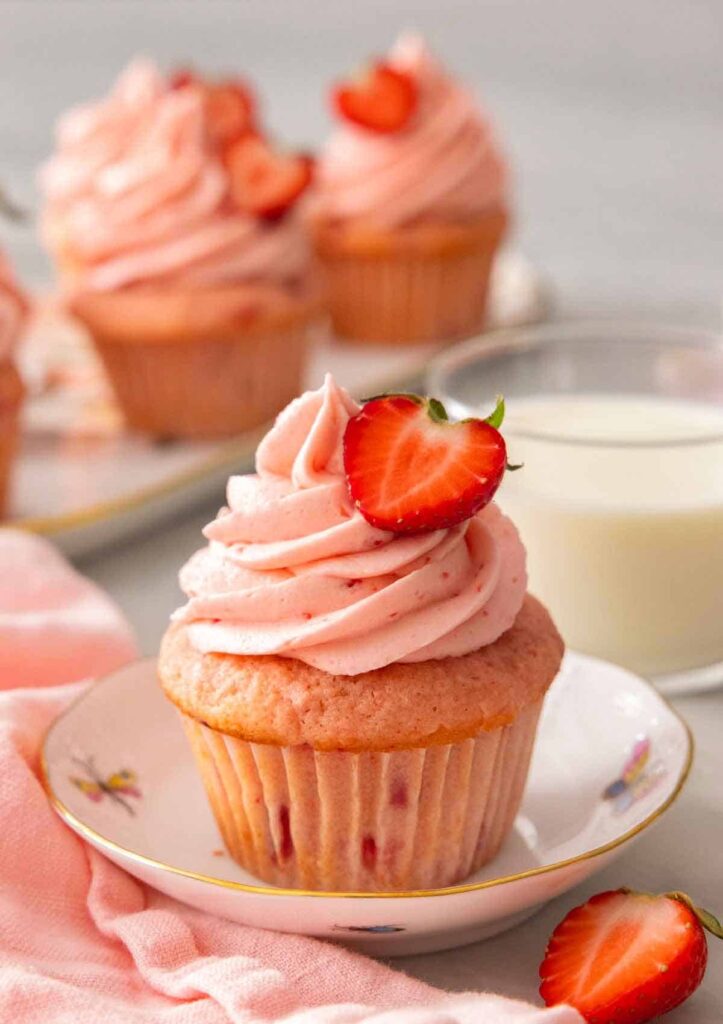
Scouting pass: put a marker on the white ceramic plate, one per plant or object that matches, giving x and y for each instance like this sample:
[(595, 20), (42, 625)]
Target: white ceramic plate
[(85, 482), (611, 756)]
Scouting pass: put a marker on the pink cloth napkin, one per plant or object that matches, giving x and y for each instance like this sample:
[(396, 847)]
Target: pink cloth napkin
[(83, 942)]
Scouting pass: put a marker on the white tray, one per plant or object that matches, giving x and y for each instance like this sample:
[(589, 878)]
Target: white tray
[(85, 483)]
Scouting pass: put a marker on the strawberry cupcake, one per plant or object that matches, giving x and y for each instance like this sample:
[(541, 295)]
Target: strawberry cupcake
[(176, 230), (13, 313), (358, 668), (412, 203)]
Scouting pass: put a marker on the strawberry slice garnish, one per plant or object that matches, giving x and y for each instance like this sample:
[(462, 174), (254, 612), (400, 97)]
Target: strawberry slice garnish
[(181, 78), (231, 111), (264, 182), (410, 470), (230, 105), (627, 956), (381, 99)]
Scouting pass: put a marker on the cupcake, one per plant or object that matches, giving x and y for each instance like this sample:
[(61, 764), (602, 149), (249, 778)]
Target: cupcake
[(13, 313), (412, 204), (176, 230), (358, 667)]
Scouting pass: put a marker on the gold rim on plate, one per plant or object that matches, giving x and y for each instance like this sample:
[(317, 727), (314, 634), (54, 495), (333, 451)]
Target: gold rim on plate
[(102, 511), (90, 833)]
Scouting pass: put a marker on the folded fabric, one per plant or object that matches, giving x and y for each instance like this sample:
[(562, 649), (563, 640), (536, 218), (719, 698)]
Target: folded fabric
[(55, 625), (83, 942)]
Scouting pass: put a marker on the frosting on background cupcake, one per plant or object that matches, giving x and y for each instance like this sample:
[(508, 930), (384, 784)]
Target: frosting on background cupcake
[(443, 165), (13, 309), (292, 568), (136, 192)]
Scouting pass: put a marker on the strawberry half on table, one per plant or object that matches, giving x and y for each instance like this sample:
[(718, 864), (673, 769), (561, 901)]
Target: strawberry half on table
[(380, 99), (627, 957), (410, 470)]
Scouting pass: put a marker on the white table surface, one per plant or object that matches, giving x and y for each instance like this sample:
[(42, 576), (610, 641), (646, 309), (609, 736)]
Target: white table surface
[(612, 115)]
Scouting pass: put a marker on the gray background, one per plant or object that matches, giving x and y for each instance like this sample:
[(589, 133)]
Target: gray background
[(612, 113)]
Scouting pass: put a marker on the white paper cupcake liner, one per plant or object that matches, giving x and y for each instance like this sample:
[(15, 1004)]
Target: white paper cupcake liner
[(405, 288), (215, 388), (327, 820)]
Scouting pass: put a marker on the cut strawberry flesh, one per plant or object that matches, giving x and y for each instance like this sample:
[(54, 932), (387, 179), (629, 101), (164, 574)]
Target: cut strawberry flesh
[(181, 78), (411, 473), (624, 956), (230, 108), (382, 100), (264, 182), (230, 105)]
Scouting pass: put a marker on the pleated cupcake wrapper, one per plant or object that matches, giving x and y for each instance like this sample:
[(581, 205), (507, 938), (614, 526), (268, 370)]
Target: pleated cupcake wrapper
[(400, 298), (409, 819), (214, 388), (11, 399)]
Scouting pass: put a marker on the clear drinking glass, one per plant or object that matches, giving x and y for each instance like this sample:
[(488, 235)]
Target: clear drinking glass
[(620, 500)]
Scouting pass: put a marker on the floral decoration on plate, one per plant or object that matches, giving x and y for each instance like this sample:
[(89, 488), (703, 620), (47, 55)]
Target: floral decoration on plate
[(117, 786)]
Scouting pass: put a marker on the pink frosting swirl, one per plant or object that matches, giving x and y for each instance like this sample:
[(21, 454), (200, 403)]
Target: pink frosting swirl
[(137, 193), (13, 309), (443, 164), (293, 569)]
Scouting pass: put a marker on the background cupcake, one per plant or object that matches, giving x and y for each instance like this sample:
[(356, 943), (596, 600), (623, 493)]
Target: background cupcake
[(361, 703), (13, 313), (412, 203), (175, 228)]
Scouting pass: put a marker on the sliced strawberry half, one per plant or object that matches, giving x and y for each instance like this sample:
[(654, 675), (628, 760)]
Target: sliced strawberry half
[(627, 956), (381, 99), (230, 104), (181, 78), (410, 470), (264, 182), (231, 110)]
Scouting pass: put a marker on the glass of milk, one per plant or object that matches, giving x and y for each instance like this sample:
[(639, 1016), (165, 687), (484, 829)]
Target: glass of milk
[(620, 500)]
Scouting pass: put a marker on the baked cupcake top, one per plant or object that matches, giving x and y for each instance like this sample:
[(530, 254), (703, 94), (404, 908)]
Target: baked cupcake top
[(172, 180), (13, 309), (411, 144), (299, 565), (272, 699)]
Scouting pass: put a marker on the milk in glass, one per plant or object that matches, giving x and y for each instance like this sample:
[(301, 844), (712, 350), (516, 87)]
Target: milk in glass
[(620, 505)]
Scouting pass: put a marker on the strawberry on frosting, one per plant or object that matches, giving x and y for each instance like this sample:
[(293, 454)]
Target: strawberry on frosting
[(442, 162), (293, 568), (139, 191)]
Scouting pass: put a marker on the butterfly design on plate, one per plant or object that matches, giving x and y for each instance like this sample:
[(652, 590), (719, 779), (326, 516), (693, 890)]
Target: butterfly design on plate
[(638, 777), (118, 786), (376, 929)]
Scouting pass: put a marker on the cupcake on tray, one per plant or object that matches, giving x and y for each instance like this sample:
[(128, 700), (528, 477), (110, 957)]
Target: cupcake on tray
[(13, 313), (358, 668), (412, 203), (176, 230)]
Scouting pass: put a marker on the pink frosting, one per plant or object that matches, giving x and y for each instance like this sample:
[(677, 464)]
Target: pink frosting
[(135, 192), (13, 309), (443, 164), (293, 569)]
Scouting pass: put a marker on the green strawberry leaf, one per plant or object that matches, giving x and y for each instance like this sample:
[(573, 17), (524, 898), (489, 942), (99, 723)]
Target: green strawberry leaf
[(496, 417), (436, 411), (708, 920)]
